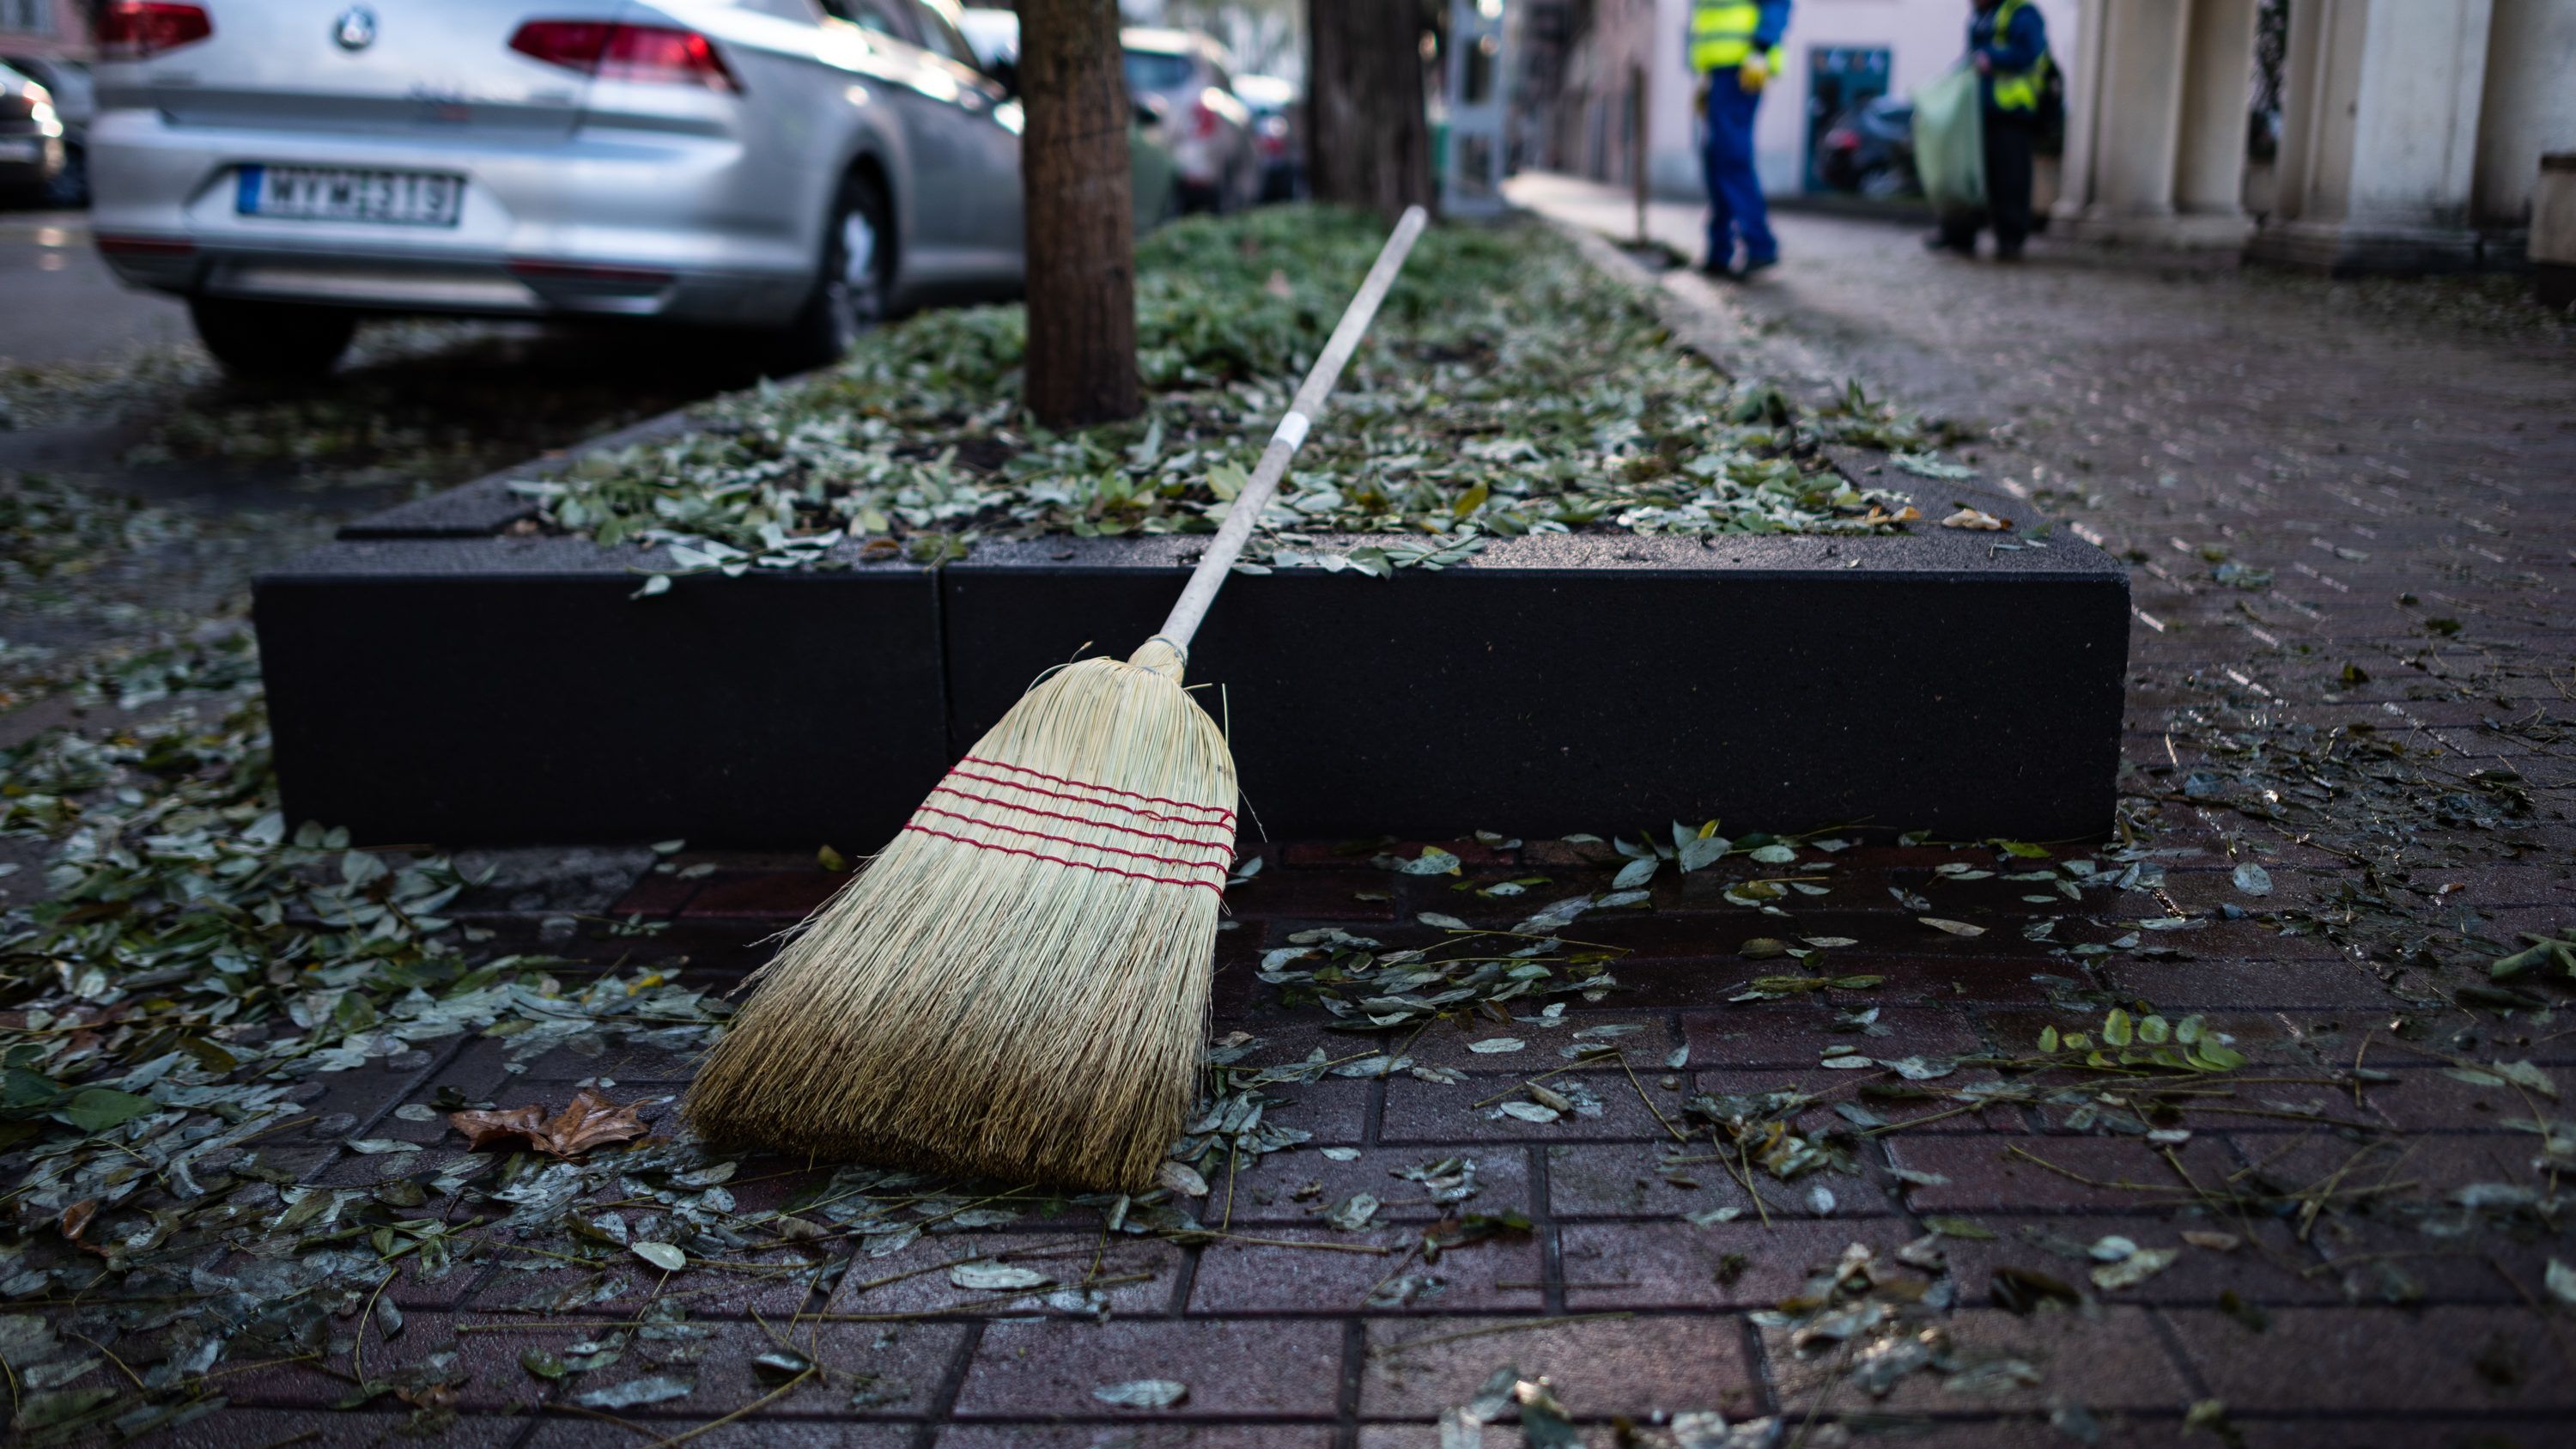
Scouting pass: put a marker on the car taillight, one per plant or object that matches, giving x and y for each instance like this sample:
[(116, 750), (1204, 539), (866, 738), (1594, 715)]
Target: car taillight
[(1202, 119), (626, 52), (142, 29), (1843, 139)]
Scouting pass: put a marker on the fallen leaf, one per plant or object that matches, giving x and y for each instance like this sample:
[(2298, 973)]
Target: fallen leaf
[(2214, 1242), (996, 1276), (2561, 1280), (1492, 1044), (2135, 1268), (77, 1216), (589, 1120), (1143, 1393), (663, 1256), (1182, 1178), (633, 1392), (1955, 928), (1978, 519)]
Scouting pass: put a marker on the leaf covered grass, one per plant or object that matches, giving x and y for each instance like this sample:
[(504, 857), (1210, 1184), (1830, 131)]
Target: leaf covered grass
[(1508, 388)]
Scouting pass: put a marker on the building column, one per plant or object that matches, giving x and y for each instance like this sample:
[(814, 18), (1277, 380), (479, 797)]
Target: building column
[(2379, 145), (2155, 146)]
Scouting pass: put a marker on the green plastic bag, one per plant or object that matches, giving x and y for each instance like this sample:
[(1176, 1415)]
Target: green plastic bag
[(1950, 143)]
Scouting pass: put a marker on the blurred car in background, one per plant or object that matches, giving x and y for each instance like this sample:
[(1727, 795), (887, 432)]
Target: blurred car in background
[(1207, 126), (32, 154), (1277, 133), (1869, 149), (67, 82), (786, 168), (1153, 179)]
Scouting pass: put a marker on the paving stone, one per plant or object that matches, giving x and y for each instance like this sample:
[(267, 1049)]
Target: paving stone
[(1297, 1186), (1237, 1276), (1446, 1044), (1137, 1436), (1739, 1264), (1429, 1112), (1796, 1035), (919, 1280), (2110, 1360), (1240, 1368), (493, 1379), (2180, 987), (876, 1370), (1639, 1367), (758, 1432), (240, 1427), (780, 1285), (2268, 1266), (2439, 1359), (1985, 1174), (1623, 1180)]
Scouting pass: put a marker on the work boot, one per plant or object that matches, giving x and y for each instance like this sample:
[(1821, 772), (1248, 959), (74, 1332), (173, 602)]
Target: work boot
[(1942, 241)]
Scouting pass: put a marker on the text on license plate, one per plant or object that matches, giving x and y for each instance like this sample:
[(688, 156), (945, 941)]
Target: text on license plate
[(330, 193)]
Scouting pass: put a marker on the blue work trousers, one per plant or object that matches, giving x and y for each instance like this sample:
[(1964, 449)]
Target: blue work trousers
[(1735, 207)]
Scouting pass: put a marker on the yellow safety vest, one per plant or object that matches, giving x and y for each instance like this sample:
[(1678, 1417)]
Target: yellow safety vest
[(2017, 90), (1721, 35)]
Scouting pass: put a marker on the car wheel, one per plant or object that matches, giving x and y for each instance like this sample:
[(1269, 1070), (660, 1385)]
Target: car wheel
[(272, 341), (851, 292)]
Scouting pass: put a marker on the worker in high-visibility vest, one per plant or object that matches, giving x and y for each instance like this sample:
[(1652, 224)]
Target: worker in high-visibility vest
[(2008, 44), (1734, 48)]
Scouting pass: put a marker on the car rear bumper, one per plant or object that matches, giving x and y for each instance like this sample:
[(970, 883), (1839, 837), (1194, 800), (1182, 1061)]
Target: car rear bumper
[(619, 224)]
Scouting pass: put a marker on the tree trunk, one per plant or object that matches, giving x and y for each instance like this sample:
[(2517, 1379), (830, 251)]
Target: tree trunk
[(1080, 217), (1370, 143)]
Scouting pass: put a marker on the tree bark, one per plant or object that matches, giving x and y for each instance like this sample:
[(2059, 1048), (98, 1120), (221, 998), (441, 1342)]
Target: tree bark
[(1370, 142), (1081, 220)]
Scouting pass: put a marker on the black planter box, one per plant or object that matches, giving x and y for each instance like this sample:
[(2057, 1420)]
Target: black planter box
[(434, 678)]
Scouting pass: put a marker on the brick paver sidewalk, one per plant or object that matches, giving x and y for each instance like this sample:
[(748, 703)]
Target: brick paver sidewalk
[(2348, 790)]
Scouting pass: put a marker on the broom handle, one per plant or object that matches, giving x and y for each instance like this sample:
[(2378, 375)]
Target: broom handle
[(1288, 437)]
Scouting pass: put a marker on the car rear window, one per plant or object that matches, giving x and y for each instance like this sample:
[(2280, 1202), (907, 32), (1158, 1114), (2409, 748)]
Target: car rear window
[(1156, 71)]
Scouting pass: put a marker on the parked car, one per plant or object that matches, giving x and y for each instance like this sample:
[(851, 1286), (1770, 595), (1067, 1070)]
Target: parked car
[(32, 154), (1208, 126), (1153, 179), (1869, 149), (1276, 133), (75, 102), (792, 168)]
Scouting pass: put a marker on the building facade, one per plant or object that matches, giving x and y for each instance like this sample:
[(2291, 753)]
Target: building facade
[(45, 27), (2411, 133)]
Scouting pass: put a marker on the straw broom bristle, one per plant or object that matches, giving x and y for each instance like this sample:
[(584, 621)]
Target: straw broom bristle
[(1018, 985)]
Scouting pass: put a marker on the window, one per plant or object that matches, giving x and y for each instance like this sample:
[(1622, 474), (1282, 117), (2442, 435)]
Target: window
[(1157, 72), (878, 17), (939, 35), (27, 17)]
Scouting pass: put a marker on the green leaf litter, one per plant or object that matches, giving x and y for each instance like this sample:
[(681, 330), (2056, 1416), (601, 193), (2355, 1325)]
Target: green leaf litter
[(1508, 388)]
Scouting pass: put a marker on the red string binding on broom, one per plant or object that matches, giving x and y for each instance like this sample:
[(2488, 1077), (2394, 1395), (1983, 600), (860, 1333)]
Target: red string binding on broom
[(947, 789), (1225, 816), (1078, 844), (1060, 860)]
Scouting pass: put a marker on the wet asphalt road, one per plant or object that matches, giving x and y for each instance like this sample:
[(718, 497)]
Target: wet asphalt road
[(63, 304)]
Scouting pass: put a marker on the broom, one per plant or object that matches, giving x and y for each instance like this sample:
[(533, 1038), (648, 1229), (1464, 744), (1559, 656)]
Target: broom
[(1017, 986)]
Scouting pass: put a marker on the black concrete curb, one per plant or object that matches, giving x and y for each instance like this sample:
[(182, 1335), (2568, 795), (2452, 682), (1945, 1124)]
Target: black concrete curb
[(432, 677)]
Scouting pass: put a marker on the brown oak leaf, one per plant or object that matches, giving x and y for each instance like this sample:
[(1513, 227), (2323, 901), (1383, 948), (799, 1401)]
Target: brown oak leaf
[(589, 1120)]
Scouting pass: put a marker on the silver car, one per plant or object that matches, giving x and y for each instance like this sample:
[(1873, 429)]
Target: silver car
[(1185, 76), (797, 167)]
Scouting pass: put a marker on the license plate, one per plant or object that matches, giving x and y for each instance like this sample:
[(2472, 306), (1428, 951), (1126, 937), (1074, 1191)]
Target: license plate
[(330, 193), (15, 149)]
